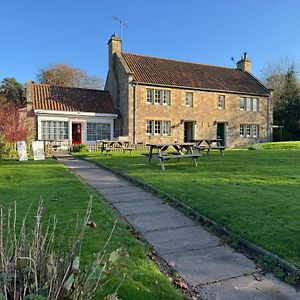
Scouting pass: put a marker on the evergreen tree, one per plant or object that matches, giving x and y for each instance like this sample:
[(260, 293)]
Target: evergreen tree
[(12, 91), (287, 103)]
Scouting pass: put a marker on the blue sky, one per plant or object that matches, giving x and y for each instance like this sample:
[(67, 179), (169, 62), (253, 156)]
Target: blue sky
[(35, 33)]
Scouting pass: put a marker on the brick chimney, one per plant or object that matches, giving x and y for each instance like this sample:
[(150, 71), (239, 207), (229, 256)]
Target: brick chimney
[(29, 94), (114, 46), (244, 63)]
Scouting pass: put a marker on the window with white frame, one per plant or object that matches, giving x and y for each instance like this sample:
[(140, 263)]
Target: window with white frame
[(158, 127), (149, 127), (98, 131), (242, 103), (189, 99), (166, 97), (221, 102), (249, 104), (254, 130), (150, 97), (157, 96), (166, 125), (255, 104), (249, 130), (242, 129), (54, 130)]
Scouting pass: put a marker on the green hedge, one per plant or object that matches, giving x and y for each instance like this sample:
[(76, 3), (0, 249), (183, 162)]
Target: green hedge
[(276, 146)]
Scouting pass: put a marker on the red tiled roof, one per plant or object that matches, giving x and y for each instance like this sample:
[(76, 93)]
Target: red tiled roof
[(58, 98), (160, 71)]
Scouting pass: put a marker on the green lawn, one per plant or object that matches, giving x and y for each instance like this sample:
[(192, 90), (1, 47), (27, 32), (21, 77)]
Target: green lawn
[(66, 197), (255, 194)]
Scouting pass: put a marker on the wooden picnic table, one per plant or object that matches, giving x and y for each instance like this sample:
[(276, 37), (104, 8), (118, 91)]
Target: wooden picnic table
[(181, 150), (108, 145), (210, 144)]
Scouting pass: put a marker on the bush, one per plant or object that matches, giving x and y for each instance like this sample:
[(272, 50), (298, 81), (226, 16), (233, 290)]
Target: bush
[(276, 146), (33, 268), (79, 148), (7, 150)]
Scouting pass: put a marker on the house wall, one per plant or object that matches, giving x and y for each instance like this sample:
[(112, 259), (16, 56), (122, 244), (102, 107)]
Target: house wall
[(117, 83), (83, 120), (130, 99), (205, 113)]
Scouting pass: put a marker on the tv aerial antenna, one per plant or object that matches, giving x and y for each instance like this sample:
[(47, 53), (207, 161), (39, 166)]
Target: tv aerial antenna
[(233, 60), (122, 24)]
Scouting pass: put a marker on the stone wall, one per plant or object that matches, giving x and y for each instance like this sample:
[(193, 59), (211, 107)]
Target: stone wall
[(205, 113), (117, 84)]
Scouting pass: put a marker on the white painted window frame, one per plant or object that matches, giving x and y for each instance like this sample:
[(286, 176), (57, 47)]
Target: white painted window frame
[(151, 126), (221, 102), (189, 99)]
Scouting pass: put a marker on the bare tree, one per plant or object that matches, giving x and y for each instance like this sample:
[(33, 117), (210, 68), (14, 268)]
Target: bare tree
[(66, 75), (281, 76), (274, 72)]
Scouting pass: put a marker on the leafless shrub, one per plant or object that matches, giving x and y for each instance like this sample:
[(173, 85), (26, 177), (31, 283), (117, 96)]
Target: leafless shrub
[(33, 267)]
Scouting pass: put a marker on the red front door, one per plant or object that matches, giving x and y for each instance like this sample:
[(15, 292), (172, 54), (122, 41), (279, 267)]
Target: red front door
[(76, 133)]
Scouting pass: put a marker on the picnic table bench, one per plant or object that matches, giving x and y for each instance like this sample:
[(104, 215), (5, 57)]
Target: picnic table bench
[(210, 144), (107, 146), (179, 148)]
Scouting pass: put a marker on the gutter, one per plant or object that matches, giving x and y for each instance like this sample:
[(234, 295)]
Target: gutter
[(74, 113), (205, 89)]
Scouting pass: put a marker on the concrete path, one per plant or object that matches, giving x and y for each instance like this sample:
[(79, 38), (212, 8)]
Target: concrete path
[(216, 270)]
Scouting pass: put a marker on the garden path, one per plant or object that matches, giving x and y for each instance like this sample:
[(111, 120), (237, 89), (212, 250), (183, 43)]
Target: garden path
[(216, 271)]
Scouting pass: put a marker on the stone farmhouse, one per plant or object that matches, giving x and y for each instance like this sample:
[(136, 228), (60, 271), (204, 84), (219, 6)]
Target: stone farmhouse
[(161, 100), (157, 100)]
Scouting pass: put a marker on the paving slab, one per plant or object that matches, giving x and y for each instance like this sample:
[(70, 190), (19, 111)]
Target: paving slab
[(99, 184), (146, 206), (158, 221), (135, 196), (118, 190), (179, 240), (248, 288), (210, 264), (77, 164), (93, 174)]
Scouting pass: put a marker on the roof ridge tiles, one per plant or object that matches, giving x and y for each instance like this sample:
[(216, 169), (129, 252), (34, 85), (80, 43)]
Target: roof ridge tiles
[(67, 87)]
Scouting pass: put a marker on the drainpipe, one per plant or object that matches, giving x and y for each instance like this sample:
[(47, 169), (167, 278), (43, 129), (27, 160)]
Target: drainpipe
[(134, 85), (269, 118)]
